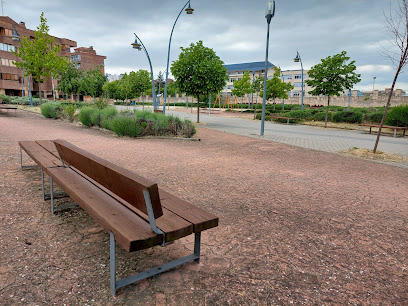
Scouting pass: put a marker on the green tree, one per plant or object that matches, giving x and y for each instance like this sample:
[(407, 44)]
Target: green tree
[(332, 76), (276, 88), (242, 86), (40, 55), (257, 86), (199, 71), (171, 89), (68, 78), (160, 83), (142, 82)]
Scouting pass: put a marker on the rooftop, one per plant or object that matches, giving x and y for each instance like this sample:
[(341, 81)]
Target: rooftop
[(254, 66)]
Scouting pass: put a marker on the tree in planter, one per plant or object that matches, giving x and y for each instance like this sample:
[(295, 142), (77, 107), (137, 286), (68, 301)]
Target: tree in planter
[(242, 86), (199, 71), (276, 88), (160, 83), (68, 79), (332, 76), (40, 55), (256, 87), (397, 26)]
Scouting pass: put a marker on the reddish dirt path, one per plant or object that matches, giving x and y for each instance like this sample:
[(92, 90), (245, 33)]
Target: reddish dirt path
[(296, 225)]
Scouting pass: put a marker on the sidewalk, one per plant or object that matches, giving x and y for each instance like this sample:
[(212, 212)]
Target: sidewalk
[(326, 140)]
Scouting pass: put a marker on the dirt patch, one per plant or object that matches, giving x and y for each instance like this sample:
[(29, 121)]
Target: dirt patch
[(379, 155)]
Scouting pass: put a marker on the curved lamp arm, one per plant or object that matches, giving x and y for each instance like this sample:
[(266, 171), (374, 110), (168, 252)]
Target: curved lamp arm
[(168, 59), (151, 72)]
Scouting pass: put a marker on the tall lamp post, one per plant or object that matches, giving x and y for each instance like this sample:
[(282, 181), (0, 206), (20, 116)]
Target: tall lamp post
[(139, 47), (16, 37), (189, 11), (269, 14), (298, 59), (373, 84)]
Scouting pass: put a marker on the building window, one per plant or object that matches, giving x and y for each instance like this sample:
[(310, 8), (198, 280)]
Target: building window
[(298, 84), (295, 93), (76, 58), (287, 77), (230, 87), (9, 76), (299, 76)]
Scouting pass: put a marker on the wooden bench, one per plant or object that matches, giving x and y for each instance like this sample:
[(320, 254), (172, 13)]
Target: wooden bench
[(7, 107), (280, 117), (136, 213), (395, 128)]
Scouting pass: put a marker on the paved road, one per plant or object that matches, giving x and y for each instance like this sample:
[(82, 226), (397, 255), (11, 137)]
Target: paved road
[(328, 140)]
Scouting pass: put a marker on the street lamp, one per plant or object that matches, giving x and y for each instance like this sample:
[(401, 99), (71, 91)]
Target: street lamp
[(298, 59), (16, 37), (373, 84), (189, 11), (139, 47), (269, 14)]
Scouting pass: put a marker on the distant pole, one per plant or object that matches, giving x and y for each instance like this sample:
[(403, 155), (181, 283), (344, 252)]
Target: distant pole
[(22, 83), (29, 91), (53, 91), (349, 97), (209, 104), (373, 84), (270, 12)]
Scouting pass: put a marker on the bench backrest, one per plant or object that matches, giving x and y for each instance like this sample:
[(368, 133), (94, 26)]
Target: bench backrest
[(124, 183)]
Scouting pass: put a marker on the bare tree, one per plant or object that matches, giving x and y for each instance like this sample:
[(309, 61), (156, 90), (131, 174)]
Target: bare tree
[(397, 26)]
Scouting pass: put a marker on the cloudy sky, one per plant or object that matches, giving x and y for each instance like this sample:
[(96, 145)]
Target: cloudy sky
[(235, 29)]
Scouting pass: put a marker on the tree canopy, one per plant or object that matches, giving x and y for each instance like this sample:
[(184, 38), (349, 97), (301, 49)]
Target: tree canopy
[(40, 55), (199, 71), (242, 86), (276, 88), (332, 76)]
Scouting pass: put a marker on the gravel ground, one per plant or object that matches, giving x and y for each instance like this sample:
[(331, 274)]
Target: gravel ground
[(296, 225)]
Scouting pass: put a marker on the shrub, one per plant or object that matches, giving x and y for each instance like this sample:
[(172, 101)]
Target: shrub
[(85, 114), (5, 98), (125, 126), (107, 115), (398, 116), (101, 103), (188, 128), (96, 117), (321, 116), (374, 117), (69, 111), (50, 110), (301, 114), (348, 116)]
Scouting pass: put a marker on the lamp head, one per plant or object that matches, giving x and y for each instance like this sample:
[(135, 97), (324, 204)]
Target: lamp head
[(15, 36), (270, 9), (136, 45), (189, 10), (297, 58)]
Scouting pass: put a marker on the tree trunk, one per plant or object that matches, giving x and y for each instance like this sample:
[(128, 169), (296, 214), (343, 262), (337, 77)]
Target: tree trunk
[(386, 108), (39, 88), (198, 109), (327, 112)]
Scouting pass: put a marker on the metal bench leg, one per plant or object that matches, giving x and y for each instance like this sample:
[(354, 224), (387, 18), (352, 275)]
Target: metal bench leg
[(287, 122), (52, 194), (42, 183), (112, 261), (395, 133), (361, 129), (115, 285), (25, 167)]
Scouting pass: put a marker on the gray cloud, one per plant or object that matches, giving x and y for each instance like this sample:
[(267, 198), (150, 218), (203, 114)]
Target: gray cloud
[(235, 29)]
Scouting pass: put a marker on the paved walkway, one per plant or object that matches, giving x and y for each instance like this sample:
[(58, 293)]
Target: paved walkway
[(327, 140)]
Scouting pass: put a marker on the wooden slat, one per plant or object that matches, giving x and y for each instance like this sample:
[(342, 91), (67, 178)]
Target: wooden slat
[(171, 224), (200, 219), (49, 146), (126, 184), (131, 232), (42, 157)]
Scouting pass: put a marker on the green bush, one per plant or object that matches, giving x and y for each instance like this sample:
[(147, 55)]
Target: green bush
[(5, 98), (188, 128), (306, 114), (85, 114), (374, 117), (69, 111), (348, 116), (397, 116), (50, 110), (96, 117), (125, 126), (321, 116), (107, 115)]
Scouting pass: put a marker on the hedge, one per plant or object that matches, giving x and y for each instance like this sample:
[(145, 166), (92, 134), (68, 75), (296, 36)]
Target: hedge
[(398, 116)]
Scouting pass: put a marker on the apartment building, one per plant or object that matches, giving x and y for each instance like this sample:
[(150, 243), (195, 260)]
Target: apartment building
[(11, 78), (294, 77), (236, 71), (87, 59)]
